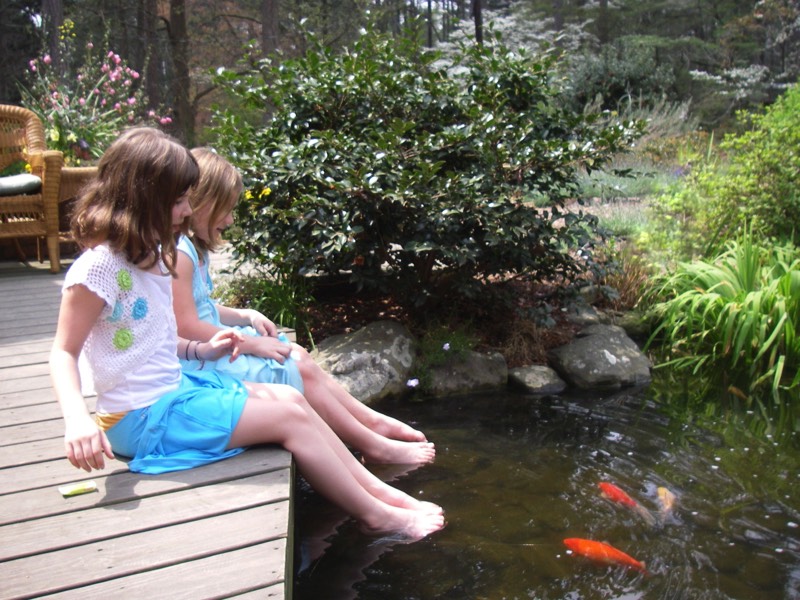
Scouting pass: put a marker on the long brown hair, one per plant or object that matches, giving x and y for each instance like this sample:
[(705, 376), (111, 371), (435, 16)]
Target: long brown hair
[(215, 194), (129, 204)]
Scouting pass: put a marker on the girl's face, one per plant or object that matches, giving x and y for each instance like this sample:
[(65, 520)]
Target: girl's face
[(181, 211), (206, 230)]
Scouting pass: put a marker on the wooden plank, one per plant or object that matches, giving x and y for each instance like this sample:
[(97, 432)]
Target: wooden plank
[(29, 414), (16, 348), (125, 486), (244, 574), (34, 382), (33, 576), (44, 395), (31, 452), (142, 514), (24, 372), (43, 430)]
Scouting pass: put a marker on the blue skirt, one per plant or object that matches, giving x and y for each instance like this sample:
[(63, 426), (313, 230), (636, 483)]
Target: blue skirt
[(189, 427), (248, 367)]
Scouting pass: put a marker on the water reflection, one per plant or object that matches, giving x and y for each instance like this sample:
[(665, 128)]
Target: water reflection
[(517, 475)]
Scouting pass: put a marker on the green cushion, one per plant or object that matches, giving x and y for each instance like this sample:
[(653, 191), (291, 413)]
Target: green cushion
[(16, 185)]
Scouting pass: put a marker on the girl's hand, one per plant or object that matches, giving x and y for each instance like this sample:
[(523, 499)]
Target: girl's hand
[(261, 324), (269, 347), (227, 341), (86, 444)]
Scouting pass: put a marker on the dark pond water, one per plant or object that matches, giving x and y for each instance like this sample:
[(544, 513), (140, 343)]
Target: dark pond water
[(516, 475)]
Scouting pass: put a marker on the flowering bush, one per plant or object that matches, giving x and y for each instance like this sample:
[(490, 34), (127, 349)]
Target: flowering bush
[(85, 110)]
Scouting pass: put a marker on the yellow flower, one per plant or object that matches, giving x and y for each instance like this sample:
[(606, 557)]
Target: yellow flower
[(248, 195), (265, 192), (28, 168)]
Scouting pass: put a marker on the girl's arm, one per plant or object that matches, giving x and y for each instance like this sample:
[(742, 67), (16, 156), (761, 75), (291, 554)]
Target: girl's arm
[(85, 443), (191, 327)]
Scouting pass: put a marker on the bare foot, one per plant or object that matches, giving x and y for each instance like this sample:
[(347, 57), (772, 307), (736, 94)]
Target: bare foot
[(408, 525), (394, 429), (399, 499), (400, 453)]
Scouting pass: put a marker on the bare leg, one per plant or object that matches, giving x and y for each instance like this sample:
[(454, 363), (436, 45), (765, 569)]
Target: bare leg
[(374, 447), (384, 425), (279, 414)]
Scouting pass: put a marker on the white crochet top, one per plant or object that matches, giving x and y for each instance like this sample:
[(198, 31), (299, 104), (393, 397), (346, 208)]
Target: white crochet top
[(135, 324)]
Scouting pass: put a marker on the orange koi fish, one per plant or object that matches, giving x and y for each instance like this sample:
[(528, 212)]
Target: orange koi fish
[(615, 494), (603, 553)]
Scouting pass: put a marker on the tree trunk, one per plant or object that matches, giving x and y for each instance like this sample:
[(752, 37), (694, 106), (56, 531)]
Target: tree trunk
[(269, 26), (179, 41), (477, 15), (53, 18)]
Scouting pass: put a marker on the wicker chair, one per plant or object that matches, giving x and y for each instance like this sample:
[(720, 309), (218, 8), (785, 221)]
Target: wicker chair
[(31, 213)]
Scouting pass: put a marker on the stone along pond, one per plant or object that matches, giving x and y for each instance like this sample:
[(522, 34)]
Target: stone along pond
[(518, 474)]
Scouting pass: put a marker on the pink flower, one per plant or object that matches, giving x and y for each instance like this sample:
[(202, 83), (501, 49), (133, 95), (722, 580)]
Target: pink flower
[(135, 74), (117, 106), (82, 101), (46, 59), (110, 54), (103, 102), (128, 83), (165, 120), (111, 91), (151, 113), (90, 45), (131, 101)]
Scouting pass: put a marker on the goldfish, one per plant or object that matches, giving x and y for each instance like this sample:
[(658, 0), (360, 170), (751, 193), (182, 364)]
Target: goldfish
[(603, 553), (667, 500), (615, 494)]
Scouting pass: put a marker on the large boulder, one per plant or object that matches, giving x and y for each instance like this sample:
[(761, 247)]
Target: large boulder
[(537, 379), (601, 357), (371, 363), (471, 372)]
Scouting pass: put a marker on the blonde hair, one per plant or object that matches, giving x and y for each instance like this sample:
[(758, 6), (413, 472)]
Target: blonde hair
[(129, 204), (215, 195)]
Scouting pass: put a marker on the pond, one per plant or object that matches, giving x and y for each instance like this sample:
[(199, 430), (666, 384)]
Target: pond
[(518, 474)]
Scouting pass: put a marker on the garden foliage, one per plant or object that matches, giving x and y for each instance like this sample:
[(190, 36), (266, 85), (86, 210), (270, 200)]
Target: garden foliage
[(737, 315), (751, 177), (408, 174), (86, 102)]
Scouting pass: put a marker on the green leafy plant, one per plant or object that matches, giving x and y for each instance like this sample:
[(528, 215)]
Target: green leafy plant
[(280, 300), (737, 315), (750, 177), (410, 174), (85, 108)]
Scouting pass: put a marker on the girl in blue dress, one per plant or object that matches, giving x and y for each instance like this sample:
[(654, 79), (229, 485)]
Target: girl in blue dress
[(267, 356), (116, 310)]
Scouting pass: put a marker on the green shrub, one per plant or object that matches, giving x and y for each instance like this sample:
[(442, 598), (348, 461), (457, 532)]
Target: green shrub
[(760, 185), (751, 177), (408, 174), (737, 315)]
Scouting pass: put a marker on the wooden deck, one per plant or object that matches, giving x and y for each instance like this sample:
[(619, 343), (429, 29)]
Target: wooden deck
[(218, 531)]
